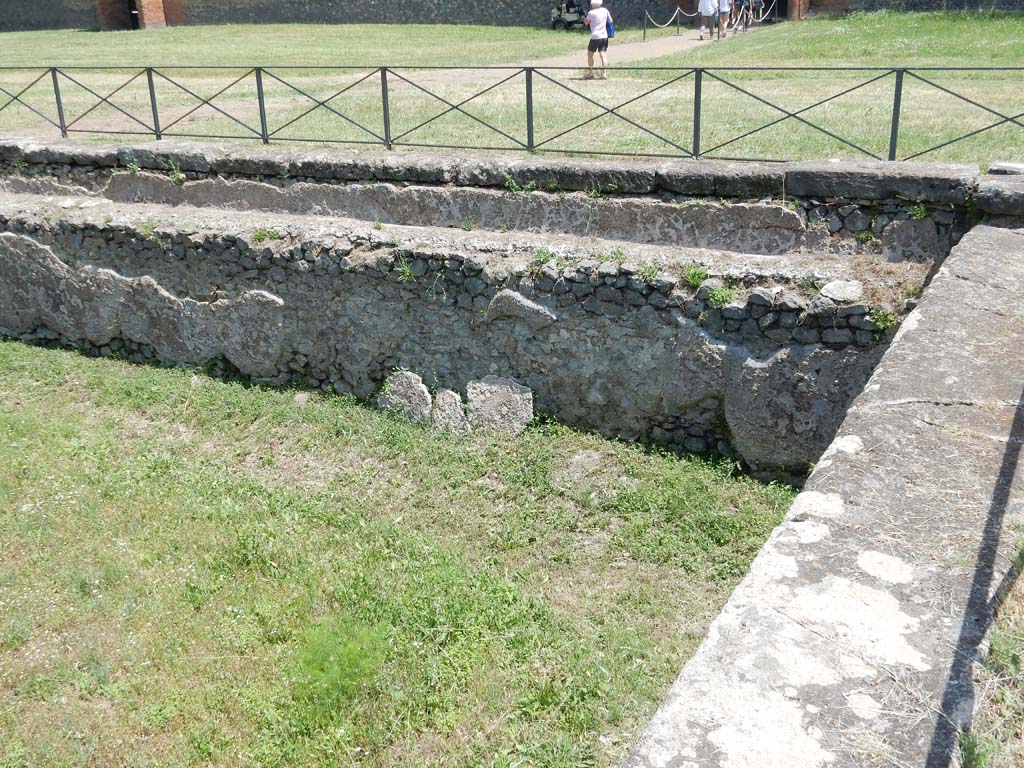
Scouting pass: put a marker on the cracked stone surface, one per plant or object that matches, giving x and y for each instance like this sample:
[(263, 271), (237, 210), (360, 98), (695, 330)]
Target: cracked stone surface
[(499, 405), (850, 642), (405, 393), (38, 289)]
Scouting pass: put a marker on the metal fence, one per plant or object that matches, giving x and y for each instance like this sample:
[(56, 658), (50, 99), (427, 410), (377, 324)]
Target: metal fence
[(166, 103)]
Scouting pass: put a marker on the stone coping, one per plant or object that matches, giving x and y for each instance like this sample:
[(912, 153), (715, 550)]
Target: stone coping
[(943, 184), (851, 641)]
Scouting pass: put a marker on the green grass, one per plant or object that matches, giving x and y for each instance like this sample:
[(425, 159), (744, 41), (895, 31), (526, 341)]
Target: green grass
[(288, 45), (996, 739), (878, 39), (195, 572), (863, 116)]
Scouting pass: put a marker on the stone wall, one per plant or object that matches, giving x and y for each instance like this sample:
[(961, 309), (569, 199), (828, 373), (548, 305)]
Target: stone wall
[(700, 310), (84, 14), (48, 14), (528, 13), (935, 5), (853, 638)]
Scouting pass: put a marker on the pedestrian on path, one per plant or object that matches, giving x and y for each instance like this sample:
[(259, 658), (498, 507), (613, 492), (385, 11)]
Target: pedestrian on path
[(707, 9), (598, 20), (724, 6)]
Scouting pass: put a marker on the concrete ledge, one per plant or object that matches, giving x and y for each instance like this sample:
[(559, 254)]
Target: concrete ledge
[(924, 182), (850, 642), (942, 184), (1001, 196)]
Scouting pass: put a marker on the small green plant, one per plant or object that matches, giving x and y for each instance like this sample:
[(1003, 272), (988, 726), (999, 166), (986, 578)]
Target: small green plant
[(147, 228), (972, 753), (866, 236), (912, 291), (541, 256), (337, 660), (404, 270), (919, 212), (261, 235), (176, 175), (617, 257), (19, 164), (648, 271), (694, 275), (551, 186), (883, 320), (376, 223), (133, 168), (595, 191), (468, 224), (513, 186), (811, 285), (719, 297), (394, 242)]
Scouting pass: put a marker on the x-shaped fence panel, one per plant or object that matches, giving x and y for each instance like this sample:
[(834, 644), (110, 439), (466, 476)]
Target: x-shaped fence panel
[(441, 96), (19, 88), (355, 116), (684, 112), (1010, 118), (673, 147)]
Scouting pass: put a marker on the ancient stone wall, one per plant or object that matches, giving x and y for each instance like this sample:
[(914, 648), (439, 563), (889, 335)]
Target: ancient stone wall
[(739, 323), (93, 14), (935, 5), (48, 14)]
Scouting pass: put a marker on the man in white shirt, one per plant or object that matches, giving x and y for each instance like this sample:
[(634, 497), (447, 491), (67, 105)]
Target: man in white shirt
[(598, 20)]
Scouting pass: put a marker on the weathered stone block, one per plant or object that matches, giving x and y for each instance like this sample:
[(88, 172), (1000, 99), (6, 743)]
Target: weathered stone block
[(500, 405), (405, 393)]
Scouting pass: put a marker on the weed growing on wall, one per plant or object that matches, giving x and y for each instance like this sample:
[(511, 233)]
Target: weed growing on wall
[(719, 297), (694, 275)]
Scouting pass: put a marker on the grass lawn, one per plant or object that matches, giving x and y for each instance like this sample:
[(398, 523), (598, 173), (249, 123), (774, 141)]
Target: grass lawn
[(193, 572), (996, 739), (665, 117), (319, 45)]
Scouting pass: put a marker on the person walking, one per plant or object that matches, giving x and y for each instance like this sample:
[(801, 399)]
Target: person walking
[(707, 10), (723, 16), (598, 20)]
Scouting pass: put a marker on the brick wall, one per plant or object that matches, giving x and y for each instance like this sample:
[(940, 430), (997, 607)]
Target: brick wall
[(151, 14)]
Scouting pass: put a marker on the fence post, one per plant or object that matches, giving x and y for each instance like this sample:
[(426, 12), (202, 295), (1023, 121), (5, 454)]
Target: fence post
[(697, 77), (152, 103), (60, 104), (263, 106), (529, 109), (385, 106), (677, 22), (897, 99), (645, 26)]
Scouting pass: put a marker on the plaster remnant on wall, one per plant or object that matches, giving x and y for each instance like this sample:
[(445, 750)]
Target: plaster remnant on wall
[(864, 706), (815, 504), (871, 622), (38, 289), (886, 567)]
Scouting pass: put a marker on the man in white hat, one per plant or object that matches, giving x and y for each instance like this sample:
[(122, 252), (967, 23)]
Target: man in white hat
[(598, 20)]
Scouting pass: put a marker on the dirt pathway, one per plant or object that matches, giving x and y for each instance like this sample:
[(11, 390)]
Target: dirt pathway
[(626, 53)]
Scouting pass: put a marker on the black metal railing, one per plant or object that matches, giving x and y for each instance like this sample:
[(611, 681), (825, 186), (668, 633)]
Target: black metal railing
[(164, 102)]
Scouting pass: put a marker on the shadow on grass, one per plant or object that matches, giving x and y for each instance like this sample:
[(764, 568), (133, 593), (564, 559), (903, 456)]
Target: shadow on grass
[(957, 706)]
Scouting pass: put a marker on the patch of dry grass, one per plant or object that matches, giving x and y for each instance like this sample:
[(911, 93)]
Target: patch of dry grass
[(196, 572)]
